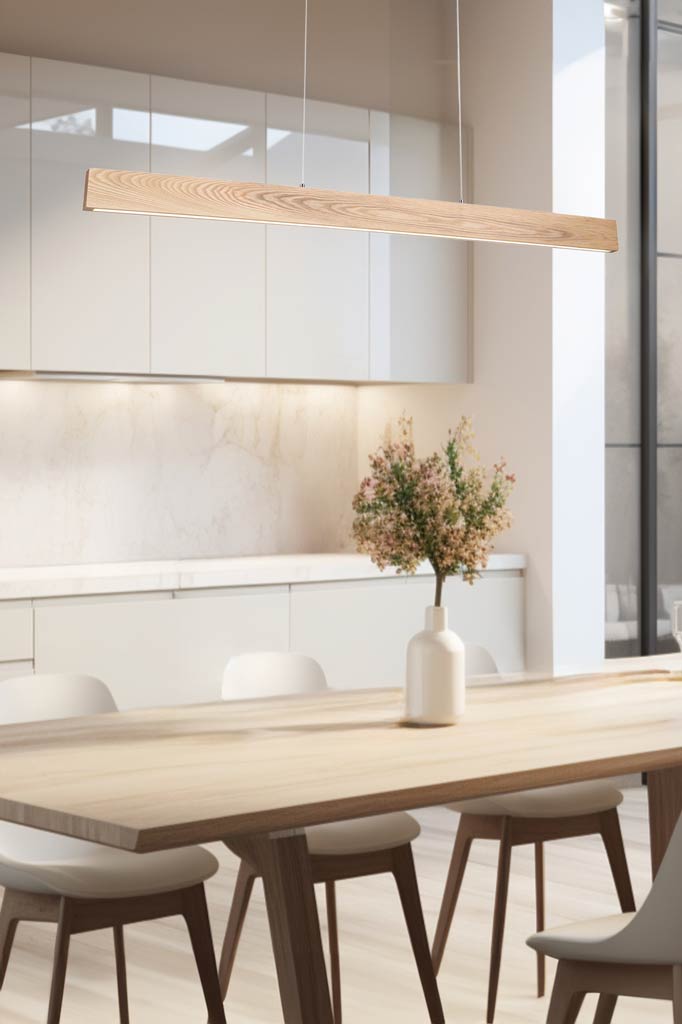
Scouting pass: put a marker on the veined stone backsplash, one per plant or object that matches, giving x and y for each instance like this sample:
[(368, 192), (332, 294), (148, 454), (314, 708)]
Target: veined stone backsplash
[(105, 472)]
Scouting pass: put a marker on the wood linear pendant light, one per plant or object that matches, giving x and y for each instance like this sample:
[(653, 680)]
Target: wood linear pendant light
[(168, 195)]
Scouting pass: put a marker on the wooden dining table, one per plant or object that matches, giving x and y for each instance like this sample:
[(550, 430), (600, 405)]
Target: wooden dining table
[(254, 774)]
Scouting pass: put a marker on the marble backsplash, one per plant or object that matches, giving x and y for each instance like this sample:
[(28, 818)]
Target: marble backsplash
[(98, 472)]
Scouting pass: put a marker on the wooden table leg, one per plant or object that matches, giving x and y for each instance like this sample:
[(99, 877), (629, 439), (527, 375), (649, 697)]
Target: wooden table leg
[(283, 862), (665, 806)]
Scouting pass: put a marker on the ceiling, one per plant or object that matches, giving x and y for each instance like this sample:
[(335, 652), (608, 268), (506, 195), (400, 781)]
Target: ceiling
[(389, 54)]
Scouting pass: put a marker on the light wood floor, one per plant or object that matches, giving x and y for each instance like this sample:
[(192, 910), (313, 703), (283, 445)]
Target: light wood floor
[(380, 981)]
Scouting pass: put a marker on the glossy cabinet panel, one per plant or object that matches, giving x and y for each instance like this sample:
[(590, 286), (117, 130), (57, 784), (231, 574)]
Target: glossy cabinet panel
[(317, 278), (15, 150), (159, 651), (207, 277), (420, 287), (90, 283)]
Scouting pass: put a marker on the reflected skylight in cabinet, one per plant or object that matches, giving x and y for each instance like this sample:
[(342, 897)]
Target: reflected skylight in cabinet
[(79, 122), (172, 130), (180, 132)]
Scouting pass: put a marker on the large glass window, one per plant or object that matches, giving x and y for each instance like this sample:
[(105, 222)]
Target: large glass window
[(629, 276)]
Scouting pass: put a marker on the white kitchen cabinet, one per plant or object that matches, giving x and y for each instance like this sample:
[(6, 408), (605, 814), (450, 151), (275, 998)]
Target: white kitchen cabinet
[(13, 669), (15, 150), (207, 277), (159, 650), (359, 630), (317, 278), (16, 631), (90, 271), (420, 287)]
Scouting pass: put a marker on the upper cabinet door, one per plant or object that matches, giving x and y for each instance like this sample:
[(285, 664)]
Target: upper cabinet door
[(208, 277), (420, 287), (15, 150), (317, 278), (90, 283)]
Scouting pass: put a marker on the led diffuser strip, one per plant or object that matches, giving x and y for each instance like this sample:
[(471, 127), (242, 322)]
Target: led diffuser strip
[(168, 195)]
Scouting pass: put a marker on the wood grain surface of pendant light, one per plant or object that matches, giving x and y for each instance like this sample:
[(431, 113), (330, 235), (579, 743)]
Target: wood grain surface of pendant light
[(168, 195)]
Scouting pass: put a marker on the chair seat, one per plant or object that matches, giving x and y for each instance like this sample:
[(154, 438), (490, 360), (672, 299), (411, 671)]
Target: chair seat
[(362, 835), (578, 941), (551, 802), (97, 872)]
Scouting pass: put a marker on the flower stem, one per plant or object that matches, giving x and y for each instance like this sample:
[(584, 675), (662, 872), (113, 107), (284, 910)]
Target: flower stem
[(439, 589)]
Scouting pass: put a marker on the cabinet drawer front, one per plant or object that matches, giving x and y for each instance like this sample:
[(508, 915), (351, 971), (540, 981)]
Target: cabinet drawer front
[(160, 652), (16, 632)]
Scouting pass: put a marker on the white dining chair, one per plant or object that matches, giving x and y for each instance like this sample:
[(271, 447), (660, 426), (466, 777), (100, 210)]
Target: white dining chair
[(637, 954), (84, 887), (340, 850), (534, 817), (478, 661)]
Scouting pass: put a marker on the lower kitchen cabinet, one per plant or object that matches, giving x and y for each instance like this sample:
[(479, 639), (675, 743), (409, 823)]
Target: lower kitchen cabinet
[(171, 647), (359, 630), (159, 650)]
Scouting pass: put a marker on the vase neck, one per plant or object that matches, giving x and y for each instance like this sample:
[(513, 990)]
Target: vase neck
[(436, 619)]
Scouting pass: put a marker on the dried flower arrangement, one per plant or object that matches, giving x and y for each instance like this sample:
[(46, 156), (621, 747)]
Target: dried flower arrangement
[(444, 508)]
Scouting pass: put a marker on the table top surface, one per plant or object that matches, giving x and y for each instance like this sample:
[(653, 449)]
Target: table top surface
[(150, 780)]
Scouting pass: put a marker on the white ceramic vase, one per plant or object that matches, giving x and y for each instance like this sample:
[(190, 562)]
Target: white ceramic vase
[(435, 680)]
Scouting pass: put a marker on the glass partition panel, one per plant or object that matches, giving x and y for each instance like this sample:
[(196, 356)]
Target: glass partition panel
[(623, 332), (669, 141), (622, 551)]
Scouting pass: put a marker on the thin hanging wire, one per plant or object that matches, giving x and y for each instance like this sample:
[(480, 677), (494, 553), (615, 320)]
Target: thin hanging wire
[(305, 92), (459, 107)]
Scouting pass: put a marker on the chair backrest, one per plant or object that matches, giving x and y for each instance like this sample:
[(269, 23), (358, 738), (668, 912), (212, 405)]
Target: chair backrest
[(58, 695), (479, 661), (40, 698), (655, 933), (271, 674)]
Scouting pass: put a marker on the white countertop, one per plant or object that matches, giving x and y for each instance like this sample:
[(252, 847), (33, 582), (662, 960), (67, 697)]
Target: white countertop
[(258, 570)]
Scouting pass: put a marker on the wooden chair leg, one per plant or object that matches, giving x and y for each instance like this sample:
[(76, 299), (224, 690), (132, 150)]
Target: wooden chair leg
[(121, 977), (458, 863), (565, 1003), (334, 959), (408, 889), (605, 1008), (195, 912), (540, 911), (61, 955), (613, 841), (8, 927), (499, 915), (677, 995), (235, 922)]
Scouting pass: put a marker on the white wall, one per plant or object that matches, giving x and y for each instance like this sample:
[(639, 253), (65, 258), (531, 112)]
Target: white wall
[(95, 472), (578, 328)]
